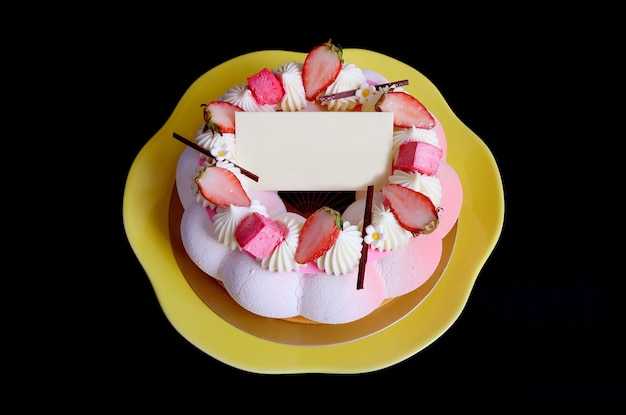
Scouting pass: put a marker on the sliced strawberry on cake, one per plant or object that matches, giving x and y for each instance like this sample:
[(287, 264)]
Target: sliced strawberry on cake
[(320, 69), (221, 187), (414, 210), (319, 233), (219, 117), (407, 110)]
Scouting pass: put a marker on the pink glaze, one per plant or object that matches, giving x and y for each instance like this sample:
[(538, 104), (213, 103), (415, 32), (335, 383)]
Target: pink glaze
[(334, 300), (374, 78), (411, 266), (312, 268), (320, 297), (443, 143), (211, 211), (270, 199), (185, 172), (451, 199)]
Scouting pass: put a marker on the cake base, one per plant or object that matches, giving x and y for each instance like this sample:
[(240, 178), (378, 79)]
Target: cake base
[(293, 331)]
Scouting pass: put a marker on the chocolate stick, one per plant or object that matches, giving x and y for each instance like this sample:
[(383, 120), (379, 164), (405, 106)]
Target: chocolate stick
[(367, 220), (208, 154), (352, 92)]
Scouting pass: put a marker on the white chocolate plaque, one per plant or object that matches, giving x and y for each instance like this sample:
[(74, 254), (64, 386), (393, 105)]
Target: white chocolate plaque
[(332, 151)]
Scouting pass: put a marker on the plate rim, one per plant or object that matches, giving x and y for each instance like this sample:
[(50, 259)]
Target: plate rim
[(145, 216)]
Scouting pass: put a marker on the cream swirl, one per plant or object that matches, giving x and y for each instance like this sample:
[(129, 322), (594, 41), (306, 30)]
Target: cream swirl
[(370, 103), (241, 96), (395, 235), (345, 254), (290, 75), (209, 139), (350, 77), (423, 183), (226, 220), (404, 135), (283, 259)]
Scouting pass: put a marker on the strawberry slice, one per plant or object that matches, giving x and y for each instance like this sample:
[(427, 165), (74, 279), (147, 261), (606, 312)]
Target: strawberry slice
[(414, 210), (320, 69), (318, 234), (221, 187), (219, 117), (407, 110)]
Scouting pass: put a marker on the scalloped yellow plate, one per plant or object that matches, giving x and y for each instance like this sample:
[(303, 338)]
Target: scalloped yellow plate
[(146, 213)]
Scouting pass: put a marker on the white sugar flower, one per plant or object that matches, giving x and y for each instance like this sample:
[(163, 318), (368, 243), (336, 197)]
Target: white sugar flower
[(220, 151), (364, 93), (374, 236)]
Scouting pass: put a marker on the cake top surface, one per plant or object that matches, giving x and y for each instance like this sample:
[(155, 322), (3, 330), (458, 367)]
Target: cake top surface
[(349, 126)]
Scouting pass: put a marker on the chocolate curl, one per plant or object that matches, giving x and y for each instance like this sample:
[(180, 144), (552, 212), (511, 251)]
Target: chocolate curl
[(367, 221), (352, 92), (209, 155)]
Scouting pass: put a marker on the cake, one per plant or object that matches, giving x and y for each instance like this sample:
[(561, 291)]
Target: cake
[(316, 256)]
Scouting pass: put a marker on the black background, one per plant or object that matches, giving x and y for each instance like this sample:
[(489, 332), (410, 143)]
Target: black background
[(542, 321)]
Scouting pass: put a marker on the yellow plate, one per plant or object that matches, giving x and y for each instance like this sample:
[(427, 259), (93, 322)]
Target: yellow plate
[(146, 219)]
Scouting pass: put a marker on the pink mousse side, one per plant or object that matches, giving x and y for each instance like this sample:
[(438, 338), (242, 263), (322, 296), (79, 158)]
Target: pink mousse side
[(185, 171), (270, 199), (200, 242), (443, 143), (263, 292), (451, 199), (335, 300), (408, 268)]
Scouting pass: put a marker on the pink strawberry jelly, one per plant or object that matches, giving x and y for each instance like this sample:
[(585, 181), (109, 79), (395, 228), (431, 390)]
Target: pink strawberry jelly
[(258, 235), (419, 156), (265, 87)]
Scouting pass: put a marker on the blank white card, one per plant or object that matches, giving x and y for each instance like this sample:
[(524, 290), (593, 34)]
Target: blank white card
[(332, 151)]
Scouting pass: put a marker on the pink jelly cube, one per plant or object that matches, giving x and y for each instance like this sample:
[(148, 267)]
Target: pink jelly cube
[(266, 87), (419, 156), (258, 235)]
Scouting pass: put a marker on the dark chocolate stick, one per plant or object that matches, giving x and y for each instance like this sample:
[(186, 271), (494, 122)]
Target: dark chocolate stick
[(352, 92), (367, 220), (208, 154)]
